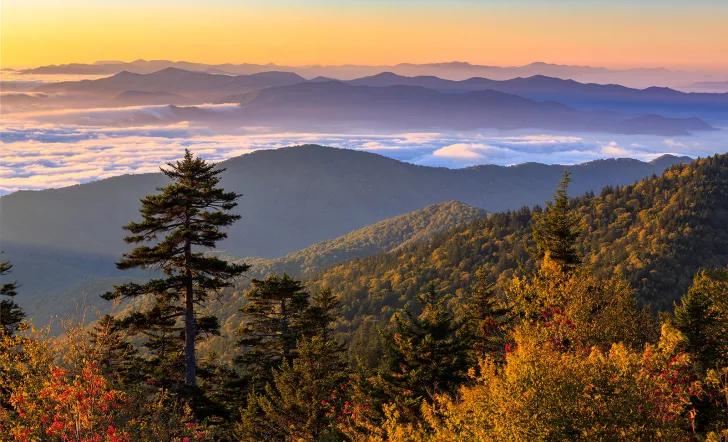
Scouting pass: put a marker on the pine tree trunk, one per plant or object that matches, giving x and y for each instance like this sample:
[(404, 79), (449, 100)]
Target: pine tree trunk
[(190, 330)]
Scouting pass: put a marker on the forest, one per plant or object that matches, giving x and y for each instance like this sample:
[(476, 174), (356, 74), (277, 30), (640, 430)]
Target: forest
[(600, 317)]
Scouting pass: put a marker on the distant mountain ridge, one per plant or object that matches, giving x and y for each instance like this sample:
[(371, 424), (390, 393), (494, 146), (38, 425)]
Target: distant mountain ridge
[(325, 104), (176, 81), (636, 77), (573, 93), (322, 93)]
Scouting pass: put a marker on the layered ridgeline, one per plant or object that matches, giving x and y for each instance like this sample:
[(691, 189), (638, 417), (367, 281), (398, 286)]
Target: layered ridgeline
[(292, 198), (640, 77), (386, 100)]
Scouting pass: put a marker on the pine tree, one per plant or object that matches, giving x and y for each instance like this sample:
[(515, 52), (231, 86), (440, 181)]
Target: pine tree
[(191, 212), (322, 315), (117, 356), (307, 395), (274, 319), (487, 320), (11, 315), (424, 355), (702, 316), (555, 231)]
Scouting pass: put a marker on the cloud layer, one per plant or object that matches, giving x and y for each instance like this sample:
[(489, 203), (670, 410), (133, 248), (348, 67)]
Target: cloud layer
[(39, 155)]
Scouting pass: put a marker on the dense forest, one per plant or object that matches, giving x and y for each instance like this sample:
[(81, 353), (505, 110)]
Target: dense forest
[(536, 324)]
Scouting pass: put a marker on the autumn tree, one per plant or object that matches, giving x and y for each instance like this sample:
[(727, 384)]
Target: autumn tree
[(191, 212)]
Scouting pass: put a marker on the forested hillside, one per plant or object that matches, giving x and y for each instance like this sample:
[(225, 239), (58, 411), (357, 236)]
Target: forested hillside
[(656, 233), (520, 325), (384, 236)]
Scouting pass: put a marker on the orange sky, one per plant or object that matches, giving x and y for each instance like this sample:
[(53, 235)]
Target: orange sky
[(598, 32)]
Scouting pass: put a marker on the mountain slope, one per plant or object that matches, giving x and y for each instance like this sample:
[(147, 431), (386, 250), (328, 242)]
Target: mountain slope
[(384, 236), (656, 233), (292, 198)]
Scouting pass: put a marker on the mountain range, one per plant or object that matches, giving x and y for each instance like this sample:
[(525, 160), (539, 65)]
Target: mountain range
[(581, 95), (292, 198), (639, 77), (389, 101)]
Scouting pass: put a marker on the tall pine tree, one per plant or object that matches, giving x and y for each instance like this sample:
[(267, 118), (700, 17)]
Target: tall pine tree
[(11, 315), (555, 230), (191, 211)]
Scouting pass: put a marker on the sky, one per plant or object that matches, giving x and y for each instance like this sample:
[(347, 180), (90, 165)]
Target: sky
[(688, 34)]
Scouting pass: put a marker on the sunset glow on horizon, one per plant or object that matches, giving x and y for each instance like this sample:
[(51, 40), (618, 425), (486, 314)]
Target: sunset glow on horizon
[(673, 34)]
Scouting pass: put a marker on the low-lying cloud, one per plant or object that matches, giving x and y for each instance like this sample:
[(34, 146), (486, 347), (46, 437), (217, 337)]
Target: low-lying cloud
[(39, 155)]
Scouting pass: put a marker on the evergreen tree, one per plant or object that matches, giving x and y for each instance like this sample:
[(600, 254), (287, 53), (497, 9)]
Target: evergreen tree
[(702, 316), (11, 315), (555, 231), (322, 315), (424, 355), (306, 396), (191, 212), (274, 319), (487, 320), (118, 357)]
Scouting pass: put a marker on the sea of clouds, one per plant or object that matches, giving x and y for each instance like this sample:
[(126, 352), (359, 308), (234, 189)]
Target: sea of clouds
[(56, 149)]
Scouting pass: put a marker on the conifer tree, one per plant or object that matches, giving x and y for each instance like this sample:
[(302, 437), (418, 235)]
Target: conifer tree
[(487, 319), (11, 315), (555, 231), (424, 355), (306, 397), (191, 211), (702, 316), (273, 320), (322, 315), (118, 357)]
